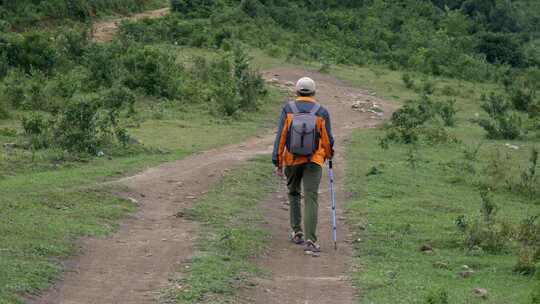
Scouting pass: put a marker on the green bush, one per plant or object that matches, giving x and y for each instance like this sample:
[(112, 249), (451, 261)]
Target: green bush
[(528, 236), (102, 62), (4, 110), (485, 231), (36, 130), (84, 127), (447, 111), (422, 118), (437, 296), (408, 80), (31, 51), (72, 42), (502, 122), (152, 71)]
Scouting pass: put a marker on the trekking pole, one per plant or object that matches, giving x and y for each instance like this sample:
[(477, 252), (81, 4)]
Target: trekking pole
[(333, 201)]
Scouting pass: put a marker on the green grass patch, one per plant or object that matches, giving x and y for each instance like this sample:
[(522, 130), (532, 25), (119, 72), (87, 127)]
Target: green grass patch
[(230, 235), (397, 207), (398, 210), (48, 203)]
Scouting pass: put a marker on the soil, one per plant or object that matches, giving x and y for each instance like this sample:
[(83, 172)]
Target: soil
[(135, 263)]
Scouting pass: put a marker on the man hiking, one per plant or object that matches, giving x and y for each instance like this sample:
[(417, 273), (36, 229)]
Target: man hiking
[(303, 143)]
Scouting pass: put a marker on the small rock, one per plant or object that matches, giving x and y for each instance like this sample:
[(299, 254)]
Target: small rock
[(290, 84), (273, 81), (179, 214), (481, 293), (191, 197), (426, 247), (466, 274), (514, 147), (143, 195), (100, 154), (134, 201), (465, 267)]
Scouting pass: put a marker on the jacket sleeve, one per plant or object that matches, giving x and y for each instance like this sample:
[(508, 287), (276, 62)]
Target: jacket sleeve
[(277, 144), (327, 136)]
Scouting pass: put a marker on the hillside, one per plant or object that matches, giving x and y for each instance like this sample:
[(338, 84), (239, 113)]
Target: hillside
[(157, 136)]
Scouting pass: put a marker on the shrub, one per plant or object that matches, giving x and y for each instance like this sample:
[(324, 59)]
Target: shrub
[(36, 131), (528, 183), (194, 8), (484, 231), (154, 72), (437, 296), (33, 51), (102, 62), (75, 129), (73, 42), (528, 236), (116, 99), (419, 118), (249, 82), (407, 80), (83, 126), (447, 111), (4, 112), (502, 122)]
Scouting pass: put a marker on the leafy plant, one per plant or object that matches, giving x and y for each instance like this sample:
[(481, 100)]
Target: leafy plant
[(502, 122), (408, 80), (447, 111), (528, 237), (36, 132), (420, 118), (529, 181), (154, 72), (485, 232), (437, 296)]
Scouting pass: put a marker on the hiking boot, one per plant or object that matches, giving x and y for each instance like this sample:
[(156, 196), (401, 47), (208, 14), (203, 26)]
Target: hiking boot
[(311, 247), (297, 237)]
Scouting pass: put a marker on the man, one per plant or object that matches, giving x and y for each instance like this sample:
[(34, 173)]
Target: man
[(302, 153)]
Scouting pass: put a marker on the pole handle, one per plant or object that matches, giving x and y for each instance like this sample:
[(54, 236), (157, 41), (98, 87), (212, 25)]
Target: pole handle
[(330, 164)]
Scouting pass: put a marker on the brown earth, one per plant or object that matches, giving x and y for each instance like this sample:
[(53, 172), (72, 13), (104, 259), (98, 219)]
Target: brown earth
[(134, 264), (104, 31)]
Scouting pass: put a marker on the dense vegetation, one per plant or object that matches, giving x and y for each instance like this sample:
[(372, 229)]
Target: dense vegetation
[(22, 13), (472, 39)]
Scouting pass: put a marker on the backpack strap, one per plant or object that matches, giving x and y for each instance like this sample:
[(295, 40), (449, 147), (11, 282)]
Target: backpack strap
[(315, 109), (293, 106)]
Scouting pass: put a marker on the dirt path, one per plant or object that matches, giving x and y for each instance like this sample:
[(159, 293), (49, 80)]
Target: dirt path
[(295, 277), (104, 31), (132, 265)]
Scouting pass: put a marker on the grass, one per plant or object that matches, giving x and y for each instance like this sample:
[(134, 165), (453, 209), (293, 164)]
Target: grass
[(397, 210), (46, 204), (230, 235)]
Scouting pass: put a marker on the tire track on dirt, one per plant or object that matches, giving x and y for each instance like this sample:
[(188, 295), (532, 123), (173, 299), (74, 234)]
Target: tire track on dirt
[(134, 265)]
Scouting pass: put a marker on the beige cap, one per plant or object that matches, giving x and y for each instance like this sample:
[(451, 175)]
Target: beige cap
[(305, 85)]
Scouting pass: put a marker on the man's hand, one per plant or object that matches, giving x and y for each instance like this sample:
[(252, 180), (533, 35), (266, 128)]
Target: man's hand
[(279, 171)]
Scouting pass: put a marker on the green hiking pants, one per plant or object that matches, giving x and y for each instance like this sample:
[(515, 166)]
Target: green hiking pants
[(310, 175)]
